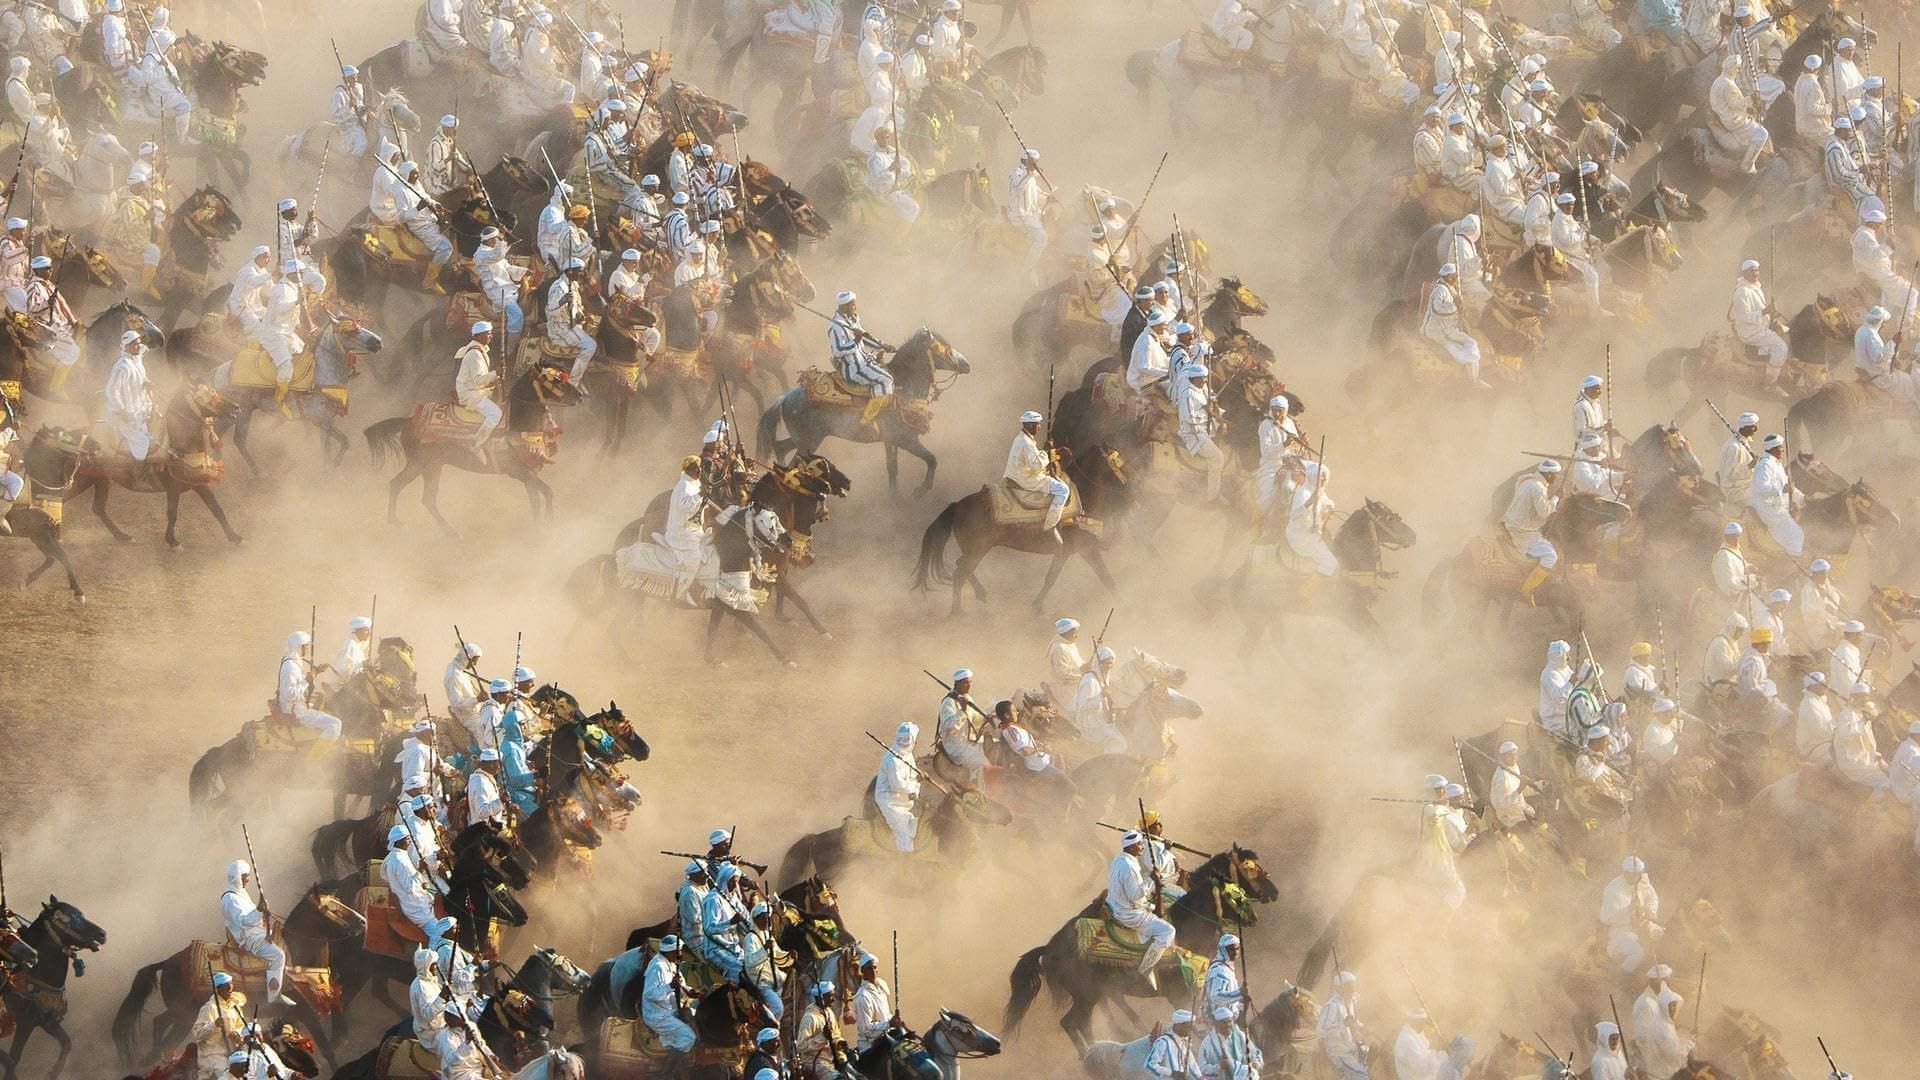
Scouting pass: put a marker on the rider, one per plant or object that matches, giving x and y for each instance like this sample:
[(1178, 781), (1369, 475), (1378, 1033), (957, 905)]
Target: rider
[(1092, 709), (1222, 988), (1197, 425), (1533, 503), (474, 383), (874, 1016), (1030, 469), (348, 111), (817, 1047), (1307, 518), (400, 198), (1171, 1055), (249, 929), (857, 354), (897, 786), (956, 730), (50, 310), (216, 1030), (1028, 195), (661, 994), (1130, 902), (1440, 324), (1752, 315), (484, 803), (278, 329), (296, 242), (1772, 496), (295, 695), (129, 395), (406, 882), (566, 318)]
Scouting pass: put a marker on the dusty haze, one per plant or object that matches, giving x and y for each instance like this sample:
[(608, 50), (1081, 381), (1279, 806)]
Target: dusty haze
[(106, 706)]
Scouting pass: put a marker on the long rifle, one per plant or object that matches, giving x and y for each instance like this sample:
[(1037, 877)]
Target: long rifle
[(1906, 309), (1026, 152), (968, 702), (373, 613), (1319, 482), (257, 883), (908, 762), (1172, 844), (1415, 987), (1700, 992), (835, 320), (4, 910), (1621, 1034), (1099, 637), (1135, 217), (219, 1012), (896, 974), (1832, 1069), (313, 627), (1153, 862), (758, 868)]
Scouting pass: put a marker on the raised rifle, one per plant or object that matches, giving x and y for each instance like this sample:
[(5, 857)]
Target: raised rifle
[(1025, 150), (835, 320), (1101, 636), (1699, 993), (896, 973), (968, 702), (1134, 218), (1196, 852), (1047, 442), (758, 868), (258, 885), (313, 627), (1153, 863), (220, 1013), (1832, 1069), (908, 762), (340, 68), (1621, 1034), (1319, 482), (1906, 309)]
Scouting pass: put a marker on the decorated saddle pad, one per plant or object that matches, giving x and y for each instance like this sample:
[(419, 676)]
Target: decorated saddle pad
[(1013, 506)]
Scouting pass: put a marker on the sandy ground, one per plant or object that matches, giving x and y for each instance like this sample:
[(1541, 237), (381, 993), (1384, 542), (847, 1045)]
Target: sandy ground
[(103, 708)]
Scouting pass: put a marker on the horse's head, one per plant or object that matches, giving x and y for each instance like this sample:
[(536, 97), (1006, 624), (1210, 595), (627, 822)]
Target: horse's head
[(943, 355), (1832, 320), (1243, 299), (963, 1038), (807, 221), (1662, 252), (566, 975), (974, 808), (520, 174), (1865, 509), (354, 336), (625, 742), (709, 117), (1389, 529), (1551, 265), (340, 918), (69, 928), (524, 1012), (574, 821), (1244, 870), (549, 384), (1813, 476), (1677, 205), (295, 1047), (101, 273), (1108, 462), (1678, 450), (132, 318), (791, 276), (54, 454)]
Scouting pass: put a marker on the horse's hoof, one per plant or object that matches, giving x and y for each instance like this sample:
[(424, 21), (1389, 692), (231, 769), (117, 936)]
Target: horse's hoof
[(828, 635), (80, 598), (121, 538), (174, 545), (236, 540)]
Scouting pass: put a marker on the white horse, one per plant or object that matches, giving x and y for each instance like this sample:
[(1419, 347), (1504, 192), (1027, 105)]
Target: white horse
[(558, 1063), (1106, 1060)]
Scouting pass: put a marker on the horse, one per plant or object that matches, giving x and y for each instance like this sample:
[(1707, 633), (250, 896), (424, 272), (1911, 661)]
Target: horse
[(1642, 255), (935, 1055), (778, 210), (1574, 529), (217, 73), (382, 696), (530, 440), (1841, 411), (606, 736), (1230, 883), (1358, 545), (51, 460), (38, 1002), (78, 269), (317, 920), (551, 1063), (915, 369), (798, 495), (1184, 66), (189, 460), (337, 345), (744, 538), (1100, 477), (954, 823), (196, 231), (1819, 336)]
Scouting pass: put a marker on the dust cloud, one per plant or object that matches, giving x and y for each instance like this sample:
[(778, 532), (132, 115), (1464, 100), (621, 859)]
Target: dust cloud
[(106, 706)]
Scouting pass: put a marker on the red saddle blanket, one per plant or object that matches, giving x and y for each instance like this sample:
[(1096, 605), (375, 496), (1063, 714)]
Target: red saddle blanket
[(444, 422)]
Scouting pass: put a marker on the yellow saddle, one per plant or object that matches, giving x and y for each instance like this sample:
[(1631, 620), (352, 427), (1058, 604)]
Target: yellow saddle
[(1013, 506), (627, 1046), (253, 367), (395, 242), (406, 1059)]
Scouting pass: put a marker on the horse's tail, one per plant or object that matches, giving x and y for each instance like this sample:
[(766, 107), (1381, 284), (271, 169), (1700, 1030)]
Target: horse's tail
[(330, 843), (933, 551), (385, 437), (1316, 959), (1804, 415), (793, 868), (590, 583), (1666, 368), (202, 780), (1140, 74), (766, 433), (1026, 336), (126, 1021), (730, 59), (1027, 980)]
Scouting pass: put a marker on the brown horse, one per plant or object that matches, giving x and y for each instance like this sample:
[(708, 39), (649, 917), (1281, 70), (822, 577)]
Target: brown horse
[(188, 460), (528, 416), (1101, 476), (51, 459)]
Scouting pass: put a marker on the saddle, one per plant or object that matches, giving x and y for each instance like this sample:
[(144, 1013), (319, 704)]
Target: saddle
[(389, 932), (444, 422), (827, 390), (1497, 565), (393, 244), (1105, 943), (871, 837), (405, 1059), (682, 363), (628, 375), (466, 308), (283, 735), (254, 368), (209, 128), (1015, 508), (1205, 55), (1111, 393)]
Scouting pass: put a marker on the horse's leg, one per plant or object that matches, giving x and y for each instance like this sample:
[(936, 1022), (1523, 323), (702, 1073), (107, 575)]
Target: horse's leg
[(173, 514), (399, 484), (714, 615), (760, 632), (219, 515), (893, 469), (243, 424), (430, 495), (914, 446), (66, 1048), (50, 547), (1099, 564), (100, 489), (963, 568), (788, 592), (1053, 574)]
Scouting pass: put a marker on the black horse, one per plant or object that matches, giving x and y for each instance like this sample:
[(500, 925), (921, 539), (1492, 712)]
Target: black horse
[(914, 368), (51, 460), (56, 935), (1358, 545), (190, 461)]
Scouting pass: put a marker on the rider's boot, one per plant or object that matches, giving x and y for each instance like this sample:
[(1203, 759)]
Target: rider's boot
[(432, 282), (1532, 585), (147, 274), (58, 377), (280, 399), (6, 505)]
